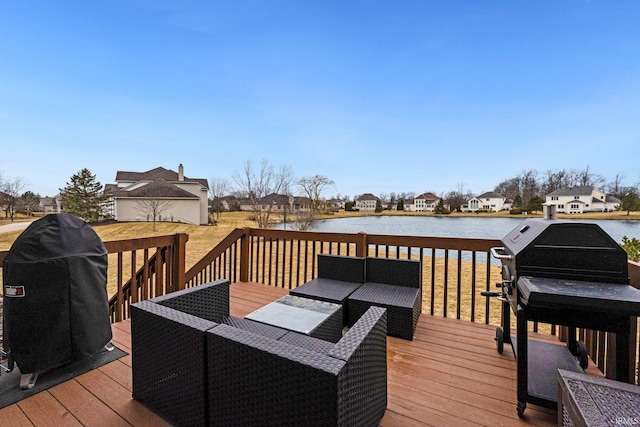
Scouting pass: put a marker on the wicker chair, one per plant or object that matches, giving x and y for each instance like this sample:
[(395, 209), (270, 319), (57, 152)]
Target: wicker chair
[(395, 284), (194, 364), (299, 380), (169, 351)]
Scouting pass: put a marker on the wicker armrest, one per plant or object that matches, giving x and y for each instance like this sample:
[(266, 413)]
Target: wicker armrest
[(209, 301), (371, 328)]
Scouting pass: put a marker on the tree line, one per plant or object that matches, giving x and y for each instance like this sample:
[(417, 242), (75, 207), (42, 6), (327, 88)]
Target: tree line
[(84, 196)]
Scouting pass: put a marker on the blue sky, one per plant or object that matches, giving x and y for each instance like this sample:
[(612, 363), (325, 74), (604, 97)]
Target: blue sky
[(379, 96)]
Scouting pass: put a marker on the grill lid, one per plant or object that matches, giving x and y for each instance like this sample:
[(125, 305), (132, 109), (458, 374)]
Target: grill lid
[(566, 249)]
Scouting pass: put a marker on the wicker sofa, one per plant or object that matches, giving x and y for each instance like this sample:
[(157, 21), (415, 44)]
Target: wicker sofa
[(359, 283), (196, 365)]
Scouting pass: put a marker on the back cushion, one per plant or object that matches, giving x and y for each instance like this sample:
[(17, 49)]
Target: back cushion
[(345, 268), (399, 272)]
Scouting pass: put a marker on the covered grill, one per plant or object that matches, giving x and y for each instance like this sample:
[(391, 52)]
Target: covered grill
[(565, 273), (55, 298)]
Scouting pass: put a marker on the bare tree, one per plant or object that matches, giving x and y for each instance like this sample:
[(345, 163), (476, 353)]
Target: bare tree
[(615, 187), (456, 198), (257, 184), (529, 187), (554, 180), (10, 190), (312, 187), (585, 178), (218, 187), (153, 209)]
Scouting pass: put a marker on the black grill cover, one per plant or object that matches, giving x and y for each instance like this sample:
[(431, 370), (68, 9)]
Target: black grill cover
[(55, 298)]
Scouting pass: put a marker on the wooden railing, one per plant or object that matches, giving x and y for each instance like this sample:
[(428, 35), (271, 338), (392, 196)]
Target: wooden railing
[(162, 268), (455, 272), (287, 259)]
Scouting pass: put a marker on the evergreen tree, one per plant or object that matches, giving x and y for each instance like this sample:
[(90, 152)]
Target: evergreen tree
[(439, 209), (517, 201), (83, 196), (535, 204), (630, 202)]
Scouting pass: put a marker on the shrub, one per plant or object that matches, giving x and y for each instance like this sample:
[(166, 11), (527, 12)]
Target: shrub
[(515, 211), (632, 246)]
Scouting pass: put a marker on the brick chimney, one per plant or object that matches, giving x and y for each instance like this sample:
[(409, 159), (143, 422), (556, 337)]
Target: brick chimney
[(180, 172)]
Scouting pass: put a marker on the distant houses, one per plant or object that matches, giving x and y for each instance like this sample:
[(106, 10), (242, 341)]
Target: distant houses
[(576, 200), (426, 202), (487, 202), (367, 203)]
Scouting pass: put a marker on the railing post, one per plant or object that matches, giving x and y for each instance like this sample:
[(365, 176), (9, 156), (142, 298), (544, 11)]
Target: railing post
[(244, 255), (180, 254), (361, 246)]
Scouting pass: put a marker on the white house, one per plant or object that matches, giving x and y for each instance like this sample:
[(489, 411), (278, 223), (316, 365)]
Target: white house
[(426, 202), (488, 202), (336, 204), (367, 203), (174, 196), (582, 199)]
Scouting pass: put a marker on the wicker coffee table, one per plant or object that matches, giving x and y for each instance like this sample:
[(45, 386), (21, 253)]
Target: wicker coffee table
[(318, 319)]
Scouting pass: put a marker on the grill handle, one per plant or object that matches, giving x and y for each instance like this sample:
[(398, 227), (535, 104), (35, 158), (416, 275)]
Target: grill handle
[(498, 253)]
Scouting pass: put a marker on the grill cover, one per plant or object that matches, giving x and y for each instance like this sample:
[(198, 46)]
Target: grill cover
[(55, 298)]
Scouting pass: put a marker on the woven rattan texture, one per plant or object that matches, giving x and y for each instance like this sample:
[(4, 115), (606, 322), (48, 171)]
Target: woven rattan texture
[(365, 375), (209, 301), (398, 272), (260, 381), (255, 327), (331, 329), (305, 341), (403, 306), (168, 362), (605, 405), (344, 268)]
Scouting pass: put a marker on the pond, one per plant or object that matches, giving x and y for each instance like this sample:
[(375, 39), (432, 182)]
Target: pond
[(443, 226)]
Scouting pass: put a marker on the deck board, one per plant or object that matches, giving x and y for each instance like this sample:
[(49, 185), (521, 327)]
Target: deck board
[(450, 374)]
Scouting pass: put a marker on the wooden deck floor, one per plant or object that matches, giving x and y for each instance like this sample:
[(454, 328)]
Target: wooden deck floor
[(450, 374)]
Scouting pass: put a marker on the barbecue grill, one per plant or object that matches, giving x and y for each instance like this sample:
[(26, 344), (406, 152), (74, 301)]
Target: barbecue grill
[(55, 299), (568, 273)]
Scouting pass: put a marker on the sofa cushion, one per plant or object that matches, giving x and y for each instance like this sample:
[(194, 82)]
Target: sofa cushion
[(329, 290)]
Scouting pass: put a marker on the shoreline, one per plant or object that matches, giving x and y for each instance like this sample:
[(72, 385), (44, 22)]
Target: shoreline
[(614, 216)]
